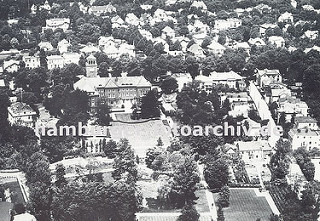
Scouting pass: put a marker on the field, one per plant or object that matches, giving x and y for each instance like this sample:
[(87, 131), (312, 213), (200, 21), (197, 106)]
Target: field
[(141, 135), (245, 205)]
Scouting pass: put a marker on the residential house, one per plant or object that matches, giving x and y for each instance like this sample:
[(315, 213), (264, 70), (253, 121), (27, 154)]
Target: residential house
[(257, 42), (198, 38), (70, 57), (63, 46), (146, 7), (231, 78), (244, 46), (160, 15), (224, 24), (292, 106), (117, 22), (114, 91), (46, 46), (176, 53), (199, 4), (55, 61), (262, 8), (276, 91), (146, 34), (168, 32), (304, 137), (239, 105), (21, 114), (254, 150), (277, 41), (127, 49), (11, 66), (2, 83), (55, 23), (264, 27), (31, 61), (216, 48), (286, 17), (159, 40), (103, 9), (316, 48), (312, 35), (45, 6), (301, 122), (198, 27), (132, 19), (89, 49), (196, 51), (265, 77), (182, 79)]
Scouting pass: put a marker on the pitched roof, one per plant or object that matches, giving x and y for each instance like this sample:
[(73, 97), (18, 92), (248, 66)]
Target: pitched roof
[(21, 108), (90, 84), (254, 145)]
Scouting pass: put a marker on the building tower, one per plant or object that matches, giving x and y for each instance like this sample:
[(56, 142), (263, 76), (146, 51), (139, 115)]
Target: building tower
[(91, 67)]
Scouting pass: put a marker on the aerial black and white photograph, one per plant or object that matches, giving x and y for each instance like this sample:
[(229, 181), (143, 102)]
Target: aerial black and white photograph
[(159, 110)]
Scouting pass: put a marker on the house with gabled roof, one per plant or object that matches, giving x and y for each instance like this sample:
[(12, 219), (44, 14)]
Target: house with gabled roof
[(11, 65), (21, 114), (98, 10), (63, 46), (168, 32), (132, 19), (277, 41), (196, 50), (117, 21), (266, 76), (286, 17), (199, 4), (55, 23), (216, 48)]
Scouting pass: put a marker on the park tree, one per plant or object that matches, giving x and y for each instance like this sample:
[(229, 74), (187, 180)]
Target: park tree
[(76, 108), (110, 148), (103, 115), (189, 213), (60, 173), (280, 160), (124, 163), (302, 157), (169, 85), (150, 105), (98, 201), (4, 124), (216, 173), (185, 179), (224, 196)]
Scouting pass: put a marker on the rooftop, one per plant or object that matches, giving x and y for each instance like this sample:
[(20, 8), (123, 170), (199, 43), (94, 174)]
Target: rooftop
[(305, 119), (254, 145), (21, 108)]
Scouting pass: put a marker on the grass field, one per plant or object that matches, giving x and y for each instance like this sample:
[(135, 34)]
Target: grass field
[(141, 135), (245, 205)]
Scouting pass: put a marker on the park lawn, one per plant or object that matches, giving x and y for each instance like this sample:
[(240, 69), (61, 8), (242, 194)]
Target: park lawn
[(245, 205), (141, 136)]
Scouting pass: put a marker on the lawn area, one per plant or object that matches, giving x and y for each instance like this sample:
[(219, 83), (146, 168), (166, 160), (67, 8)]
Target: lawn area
[(245, 205), (141, 136)]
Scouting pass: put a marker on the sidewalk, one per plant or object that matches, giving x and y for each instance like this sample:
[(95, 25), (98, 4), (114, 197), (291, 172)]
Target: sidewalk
[(211, 203)]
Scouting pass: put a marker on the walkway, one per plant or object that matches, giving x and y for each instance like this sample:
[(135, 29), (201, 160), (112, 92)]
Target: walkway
[(211, 203)]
